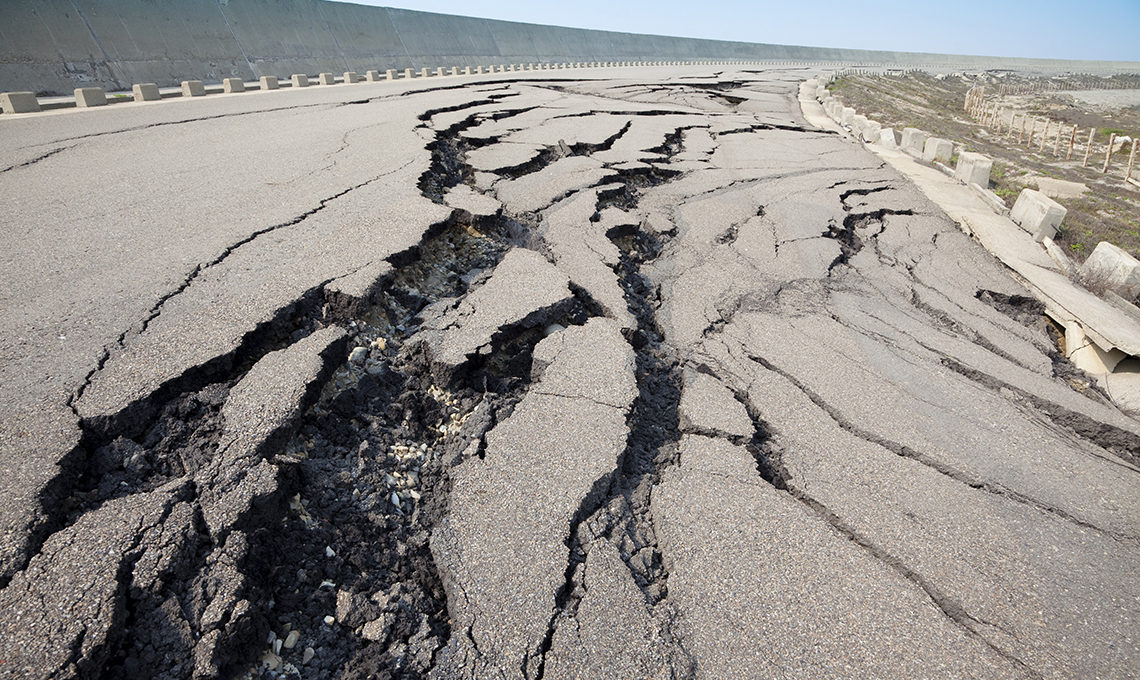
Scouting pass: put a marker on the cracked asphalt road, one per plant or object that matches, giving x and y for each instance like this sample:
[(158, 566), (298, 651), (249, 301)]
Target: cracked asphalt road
[(625, 373)]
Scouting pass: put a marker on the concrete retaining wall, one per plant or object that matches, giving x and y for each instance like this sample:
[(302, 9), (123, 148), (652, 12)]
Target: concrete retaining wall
[(54, 46)]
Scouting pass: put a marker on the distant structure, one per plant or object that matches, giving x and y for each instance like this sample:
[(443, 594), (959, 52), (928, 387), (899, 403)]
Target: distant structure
[(53, 47)]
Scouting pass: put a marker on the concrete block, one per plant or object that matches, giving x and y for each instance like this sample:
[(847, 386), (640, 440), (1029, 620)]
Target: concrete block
[(373, 76), (1115, 268), (90, 96), (19, 102), (1037, 213), (146, 92), (937, 149), (425, 73), (871, 130), (300, 80), (193, 88), (326, 78), (847, 115), (466, 70), (351, 77), (913, 141), (479, 69), (439, 71), (268, 82), (390, 74), (858, 123), (454, 71), (1087, 355), (887, 138), (231, 85), (974, 168), (409, 73)]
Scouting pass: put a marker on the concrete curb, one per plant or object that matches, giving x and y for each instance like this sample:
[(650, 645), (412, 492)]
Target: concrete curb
[(27, 102)]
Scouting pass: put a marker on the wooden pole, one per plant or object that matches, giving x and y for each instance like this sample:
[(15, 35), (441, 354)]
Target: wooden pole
[(1131, 161), (1072, 140), (1032, 131), (1108, 153), (1057, 142), (1088, 148), (1021, 134), (1044, 135)]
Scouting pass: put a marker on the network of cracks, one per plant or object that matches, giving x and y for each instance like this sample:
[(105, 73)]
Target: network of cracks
[(326, 568)]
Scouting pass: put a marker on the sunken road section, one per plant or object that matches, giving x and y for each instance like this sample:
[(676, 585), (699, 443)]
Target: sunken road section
[(534, 379)]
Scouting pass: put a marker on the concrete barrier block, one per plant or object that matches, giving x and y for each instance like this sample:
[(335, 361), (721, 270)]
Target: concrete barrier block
[(231, 85), (479, 70), (390, 74), (937, 149), (326, 79), (146, 92), (454, 70), (425, 72), (1037, 214), (871, 130), (193, 88), (300, 80), (351, 77), (466, 70), (858, 123), (409, 73), (913, 141), (373, 76), (887, 138), (974, 168), (439, 71), (19, 102), (1115, 268), (268, 82), (90, 96)]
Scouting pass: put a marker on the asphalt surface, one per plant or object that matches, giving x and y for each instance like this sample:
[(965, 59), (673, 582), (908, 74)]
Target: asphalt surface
[(621, 373)]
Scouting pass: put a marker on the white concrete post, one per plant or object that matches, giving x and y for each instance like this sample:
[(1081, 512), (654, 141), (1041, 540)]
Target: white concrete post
[(232, 85), (193, 88), (299, 80), (146, 92), (268, 83), (350, 77), (19, 102), (326, 79), (90, 96)]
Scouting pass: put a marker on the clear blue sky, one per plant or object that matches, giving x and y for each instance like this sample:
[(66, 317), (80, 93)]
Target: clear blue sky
[(1092, 29)]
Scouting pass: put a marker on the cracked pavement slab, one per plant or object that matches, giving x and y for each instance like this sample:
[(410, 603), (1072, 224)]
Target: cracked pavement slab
[(633, 374)]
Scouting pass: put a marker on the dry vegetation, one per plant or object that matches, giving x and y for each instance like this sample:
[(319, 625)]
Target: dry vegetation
[(1110, 211)]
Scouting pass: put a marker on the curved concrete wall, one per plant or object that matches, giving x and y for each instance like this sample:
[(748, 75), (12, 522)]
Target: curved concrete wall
[(54, 46)]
